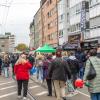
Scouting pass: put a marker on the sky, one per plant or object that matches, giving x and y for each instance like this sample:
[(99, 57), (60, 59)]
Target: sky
[(17, 18)]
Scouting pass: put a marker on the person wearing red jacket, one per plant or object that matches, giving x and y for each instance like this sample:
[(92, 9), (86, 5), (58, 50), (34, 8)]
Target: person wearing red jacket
[(21, 70)]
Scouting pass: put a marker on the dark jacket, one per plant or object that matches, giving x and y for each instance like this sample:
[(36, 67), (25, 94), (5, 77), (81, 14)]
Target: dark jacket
[(0, 61), (31, 60), (73, 65), (59, 70)]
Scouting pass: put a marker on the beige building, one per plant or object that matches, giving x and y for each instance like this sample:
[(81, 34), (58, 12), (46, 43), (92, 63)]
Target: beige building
[(49, 22), (38, 29), (7, 43)]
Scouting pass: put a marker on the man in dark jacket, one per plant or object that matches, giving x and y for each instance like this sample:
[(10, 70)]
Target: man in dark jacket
[(59, 72), (81, 57)]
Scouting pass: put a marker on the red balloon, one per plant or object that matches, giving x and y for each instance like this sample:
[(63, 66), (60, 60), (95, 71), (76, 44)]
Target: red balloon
[(79, 83)]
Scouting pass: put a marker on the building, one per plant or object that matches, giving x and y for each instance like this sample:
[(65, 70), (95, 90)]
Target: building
[(7, 43), (49, 16), (79, 21), (32, 32), (38, 29), (94, 20), (63, 21)]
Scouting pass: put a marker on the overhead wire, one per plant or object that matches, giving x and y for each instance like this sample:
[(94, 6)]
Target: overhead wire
[(7, 8)]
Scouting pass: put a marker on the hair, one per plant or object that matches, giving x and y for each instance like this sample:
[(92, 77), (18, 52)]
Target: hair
[(93, 52), (58, 54), (21, 60)]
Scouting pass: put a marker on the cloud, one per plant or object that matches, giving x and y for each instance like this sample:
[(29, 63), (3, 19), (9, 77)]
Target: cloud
[(19, 18)]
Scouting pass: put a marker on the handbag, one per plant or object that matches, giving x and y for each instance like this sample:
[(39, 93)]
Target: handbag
[(92, 72), (33, 70)]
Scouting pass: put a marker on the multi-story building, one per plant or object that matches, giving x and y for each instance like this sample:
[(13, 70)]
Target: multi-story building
[(49, 22), (79, 20), (94, 20), (63, 21), (38, 29), (7, 43), (32, 32)]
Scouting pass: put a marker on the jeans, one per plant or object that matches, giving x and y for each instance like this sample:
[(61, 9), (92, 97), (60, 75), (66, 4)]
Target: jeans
[(95, 96), (25, 87), (81, 72), (39, 73)]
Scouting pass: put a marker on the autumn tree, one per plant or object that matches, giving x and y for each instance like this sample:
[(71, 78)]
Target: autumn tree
[(21, 47)]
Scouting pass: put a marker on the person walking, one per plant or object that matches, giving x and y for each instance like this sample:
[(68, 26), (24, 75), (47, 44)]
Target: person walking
[(6, 65), (21, 70), (0, 65), (59, 72), (94, 84), (46, 65), (79, 54)]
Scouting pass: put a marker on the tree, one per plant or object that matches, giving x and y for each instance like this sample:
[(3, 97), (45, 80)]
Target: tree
[(21, 47)]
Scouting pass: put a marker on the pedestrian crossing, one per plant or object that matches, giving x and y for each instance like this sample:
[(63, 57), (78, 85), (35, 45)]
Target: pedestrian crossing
[(8, 91)]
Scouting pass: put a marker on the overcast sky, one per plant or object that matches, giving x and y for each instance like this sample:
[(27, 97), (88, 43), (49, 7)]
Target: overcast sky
[(20, 14)]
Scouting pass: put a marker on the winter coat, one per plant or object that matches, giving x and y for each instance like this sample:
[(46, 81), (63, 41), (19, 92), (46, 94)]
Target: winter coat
[(73, 65), (59, 70), (95, 83), (0, 61), (22, 71)]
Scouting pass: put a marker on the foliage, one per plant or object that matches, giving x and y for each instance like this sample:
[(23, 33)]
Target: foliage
[(21, 47)]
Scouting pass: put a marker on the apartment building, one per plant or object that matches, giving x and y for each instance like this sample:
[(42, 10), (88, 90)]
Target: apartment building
[(63, 21), (79, 20), (94, 20), (7, 43), (49, 22), (31, 35), (38, 29)]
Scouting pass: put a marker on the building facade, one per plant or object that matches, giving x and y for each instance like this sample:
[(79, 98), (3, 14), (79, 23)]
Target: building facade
[(63, 21), (31, 35), (49, 22), (94, 20), (79, 20), (7, 43), (38, 27)]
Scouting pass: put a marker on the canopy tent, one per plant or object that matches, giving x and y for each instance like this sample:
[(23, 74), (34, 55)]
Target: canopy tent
[(46, 49), (69, 46)]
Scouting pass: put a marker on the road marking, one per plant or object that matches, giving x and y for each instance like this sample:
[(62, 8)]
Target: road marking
[(7, 87), (33, 87), (41, 93), (84, 94), (12, 93), (6, 95), (6, 83)]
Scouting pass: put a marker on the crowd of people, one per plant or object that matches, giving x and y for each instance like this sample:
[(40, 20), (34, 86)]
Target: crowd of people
[(60, 69)]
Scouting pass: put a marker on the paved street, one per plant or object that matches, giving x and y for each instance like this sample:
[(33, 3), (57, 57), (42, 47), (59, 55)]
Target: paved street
[(8, 91)]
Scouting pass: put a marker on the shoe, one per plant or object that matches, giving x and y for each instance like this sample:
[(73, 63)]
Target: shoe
[(64, 98), (25, 98), (19, 97), (49, 95)]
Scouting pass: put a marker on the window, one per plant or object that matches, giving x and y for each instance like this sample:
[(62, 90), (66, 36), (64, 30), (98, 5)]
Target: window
[(61, 33), (50, 1), (49, 14), (2, 45), (49, 26), (48, 37), (68, 17), (87, 25)]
